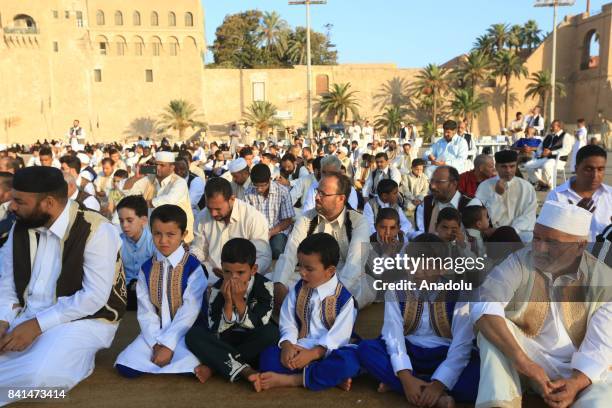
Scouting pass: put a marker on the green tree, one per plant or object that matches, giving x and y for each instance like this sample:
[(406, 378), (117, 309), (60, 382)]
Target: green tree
[(516, 37), (321, 51), (485, 44), (338, 102), (273, 33), (507, 64), (540, 86), (179, 115), (263, 116), (499, 35), (532, 34), (390, 119), (467, 105), (433, 81), (474, 69), (237, 41)]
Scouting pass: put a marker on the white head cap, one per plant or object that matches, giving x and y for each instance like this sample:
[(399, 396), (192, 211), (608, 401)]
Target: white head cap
[(343, 149), (237, 165), (164, 157), (564, 217), (86, 175), (83, 158)]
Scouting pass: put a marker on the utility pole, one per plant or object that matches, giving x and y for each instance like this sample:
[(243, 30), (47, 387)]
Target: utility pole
[(307, 3), (588, 10), (553, 74)]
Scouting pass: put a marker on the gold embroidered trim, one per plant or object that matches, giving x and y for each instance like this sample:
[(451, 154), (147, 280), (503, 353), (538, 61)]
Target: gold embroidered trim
[(440, 319), (302, 307), (328, 308)]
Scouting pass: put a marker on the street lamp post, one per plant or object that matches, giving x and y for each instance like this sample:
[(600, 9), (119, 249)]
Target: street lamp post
[(308, 58), (553, 72)]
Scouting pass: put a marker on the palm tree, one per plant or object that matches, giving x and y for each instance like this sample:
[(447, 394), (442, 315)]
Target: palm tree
[(390, 119), (433, 81), (540, 86), (179, 115), (338, 102), (467, 105), (532, 34), (485, 44), (507, 65), (263, 116), (516, 37), (296, 47), (499, 34), (474, 69), (271, 30)]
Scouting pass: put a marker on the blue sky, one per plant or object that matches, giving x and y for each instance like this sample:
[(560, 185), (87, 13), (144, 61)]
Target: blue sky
[(410, 33)]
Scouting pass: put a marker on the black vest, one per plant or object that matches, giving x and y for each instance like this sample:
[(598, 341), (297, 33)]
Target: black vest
[(428, 203), (553, 142), (70, 279)]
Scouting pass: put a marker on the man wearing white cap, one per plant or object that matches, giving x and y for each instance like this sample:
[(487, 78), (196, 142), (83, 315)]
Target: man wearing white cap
[(346, 161), (240, 174), (170, 188), (533, 323)]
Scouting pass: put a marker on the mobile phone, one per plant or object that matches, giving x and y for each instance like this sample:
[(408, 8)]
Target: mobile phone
[(148, 170)]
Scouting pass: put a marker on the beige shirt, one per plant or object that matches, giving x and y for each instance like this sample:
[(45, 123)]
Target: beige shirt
[(245, 222)]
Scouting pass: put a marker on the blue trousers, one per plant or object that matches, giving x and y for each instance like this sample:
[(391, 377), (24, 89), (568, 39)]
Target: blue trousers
[(374, 358), (328, 372)]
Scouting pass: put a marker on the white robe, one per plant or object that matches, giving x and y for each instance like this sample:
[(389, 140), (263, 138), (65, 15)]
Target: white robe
[(64, 354), (515, 208), (166, 331)]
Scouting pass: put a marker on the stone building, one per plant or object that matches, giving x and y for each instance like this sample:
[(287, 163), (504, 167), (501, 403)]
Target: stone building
[(115, 65)]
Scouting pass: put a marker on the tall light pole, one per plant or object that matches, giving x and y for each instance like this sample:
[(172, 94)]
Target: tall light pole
[(553, 74), (308, 57)]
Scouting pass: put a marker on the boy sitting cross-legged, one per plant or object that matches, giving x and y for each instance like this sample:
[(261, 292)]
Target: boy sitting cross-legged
[(239, 324), (425, 351), (170, 291), (316, 322)]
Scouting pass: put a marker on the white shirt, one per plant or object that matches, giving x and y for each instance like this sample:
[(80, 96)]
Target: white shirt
[(368, 212), (354, 132), (552, 348), (196, 191), (173, 190), (454, 202), (89, 187), (602, 216), (309, 200), (353, 254), (337, 336), (453, 153), (168, 331), (99, 272), (460, 346), (90, 202), (372, 181), (530, 122), (516, 207), (245, 222), (565, 149), (368, 134)]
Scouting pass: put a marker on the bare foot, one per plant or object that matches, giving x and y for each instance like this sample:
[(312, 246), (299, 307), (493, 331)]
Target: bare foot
[(445, 401), (203, 373), (382, 387), (274, 380), (253, 377), (346, 384)]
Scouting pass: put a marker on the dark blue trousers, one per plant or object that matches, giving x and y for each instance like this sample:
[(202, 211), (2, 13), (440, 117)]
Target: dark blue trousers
[(374, 358), (328, 372)]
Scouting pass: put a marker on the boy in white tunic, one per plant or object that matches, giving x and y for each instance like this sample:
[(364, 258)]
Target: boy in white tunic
[(170, 292), (425, 352)]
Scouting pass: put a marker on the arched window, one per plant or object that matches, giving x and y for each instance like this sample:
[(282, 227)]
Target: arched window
[(138, 46), (136, 18), (188, 19), (156, 46), (121, 45), (322, 84), (171, 19), (154, 19), (118, 18), (24, 22), (100, 17), (173, 45), (590, 53), (189, 44), (102, 45)]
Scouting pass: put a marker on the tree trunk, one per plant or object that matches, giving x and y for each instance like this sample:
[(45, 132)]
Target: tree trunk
[(507, 113), (435, 115)]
